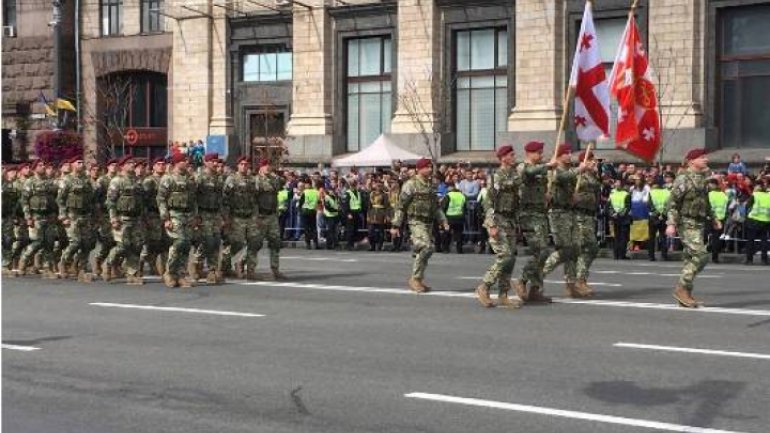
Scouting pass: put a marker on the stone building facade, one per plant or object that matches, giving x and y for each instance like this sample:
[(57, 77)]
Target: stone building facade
[(450, 77)]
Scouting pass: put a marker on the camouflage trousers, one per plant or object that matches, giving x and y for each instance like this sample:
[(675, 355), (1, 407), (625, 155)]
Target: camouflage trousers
[(422, 242), (60, 241), (104, 239), (8, 239), (564, 231), (20, 239), (534, 225), (156, 241), (209, 241), (42, 236), (128, 239), (587, 248), (80, 241), (268, 230), (241, 233), (695, 255), (181, 234), (504, 246)]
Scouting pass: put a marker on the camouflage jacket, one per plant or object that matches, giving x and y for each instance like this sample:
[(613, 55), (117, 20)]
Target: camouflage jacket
[(39, 197), (418, 201), (267, 193), (563, 188), (689, 198), (177, 195), (125, 197), (534, 183), (586, 198), (11, 199), (76, 195), (240, 196), (503, 196), (150, 186), (210, 192)]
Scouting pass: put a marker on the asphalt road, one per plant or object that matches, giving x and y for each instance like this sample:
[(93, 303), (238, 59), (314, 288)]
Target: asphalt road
[(344, 347)]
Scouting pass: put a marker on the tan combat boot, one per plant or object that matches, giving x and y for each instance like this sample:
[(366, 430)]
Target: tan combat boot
[(504, 301), (220, 277), (482, 294), (134, 280), (536, 295), (85, 277), (583, 289), (185, 283), (521, 290), (211, 278), (169, 281), (277, 275), (425, 287), (65, 271), (21, 269), (14, 268), (107, 272), (416, 285), (570, 289), (682, 295), (160, 265)]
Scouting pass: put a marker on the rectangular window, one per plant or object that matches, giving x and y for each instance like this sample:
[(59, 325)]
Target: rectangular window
[(152, 21), (268, 64), (112, 17), (481, 99), (744, 63), (369, 95), (9, 13)]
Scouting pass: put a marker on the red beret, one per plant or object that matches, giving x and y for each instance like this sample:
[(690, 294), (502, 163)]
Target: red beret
[(582, 156), (534, 146), (211, 157), (563, 149), (112, 161), (142, 162), (177, 158), (122, 161), (245, 159), (263, 162), (158, 161), (694, 154), (422, 163), (76, 159), (504, 150)]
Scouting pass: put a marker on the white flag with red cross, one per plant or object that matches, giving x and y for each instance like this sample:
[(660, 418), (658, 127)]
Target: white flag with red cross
[(631, 83), (592, 96)]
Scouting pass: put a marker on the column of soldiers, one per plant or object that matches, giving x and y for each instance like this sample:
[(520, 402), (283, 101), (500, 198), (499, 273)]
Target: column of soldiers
[(169, 221)]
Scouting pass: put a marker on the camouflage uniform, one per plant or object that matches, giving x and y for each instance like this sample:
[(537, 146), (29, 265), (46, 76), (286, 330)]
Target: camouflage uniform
[(689, 210), (10, 196), (155, 248), (38, 202), (240, 207), (533, 219), (178, 203), (76, 200), (419, 203), (103, 228), (503, 204), (210, 193), (586, 202), (562, 220), (125, 205), (267, 218), (60, 238), (20, 229)]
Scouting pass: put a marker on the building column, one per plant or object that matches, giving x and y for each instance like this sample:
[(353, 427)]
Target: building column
[(540, 80), (418, 69), (221, 121), (310, 126), (676, 47)]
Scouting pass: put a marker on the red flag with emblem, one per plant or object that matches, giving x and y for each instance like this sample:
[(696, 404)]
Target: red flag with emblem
[(631, 83), (592, 97)]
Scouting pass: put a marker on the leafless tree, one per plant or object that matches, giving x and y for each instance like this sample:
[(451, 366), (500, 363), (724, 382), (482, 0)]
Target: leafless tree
[(110, 117), (421, 110), (271, 143)]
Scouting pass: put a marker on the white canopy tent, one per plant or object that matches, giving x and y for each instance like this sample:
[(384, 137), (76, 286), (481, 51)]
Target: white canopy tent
[(381, 153)]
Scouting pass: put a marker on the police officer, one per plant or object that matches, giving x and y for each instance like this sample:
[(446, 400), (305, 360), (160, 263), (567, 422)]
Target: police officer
[(718, 202), (76, 201), (331, 215), (210, 191), (376, 215), (418, 202), (283, 209), (178, 206), (454, 208), (38, 200), (500, 222), (688, 213), (268, 185), (620, 213), (657, 224), (239, 210), (308, 207), (125, 205), (758, 222)]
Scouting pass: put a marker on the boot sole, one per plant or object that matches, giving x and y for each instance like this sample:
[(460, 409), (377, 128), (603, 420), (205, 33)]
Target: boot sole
[(485, 304), (685, 304)]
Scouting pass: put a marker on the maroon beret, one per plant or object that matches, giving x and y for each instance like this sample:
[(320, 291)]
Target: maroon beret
[(534, 146), (76, 159), (694, 154), (177, 158), (211, 157), (422, 163), (158, 161), (563, 149), (263, 162), (245, 159), (122, 161), (504, 150), (112, 161)]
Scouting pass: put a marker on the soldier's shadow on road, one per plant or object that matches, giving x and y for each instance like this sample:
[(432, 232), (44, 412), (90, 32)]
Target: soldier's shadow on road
[(697, 405)]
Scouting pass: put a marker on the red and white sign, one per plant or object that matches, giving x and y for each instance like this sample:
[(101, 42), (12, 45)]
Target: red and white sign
[(592, 97), (631, 84), (132, 137)]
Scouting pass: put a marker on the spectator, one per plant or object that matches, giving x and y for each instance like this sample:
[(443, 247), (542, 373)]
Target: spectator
[(469, 186), (737, 166)]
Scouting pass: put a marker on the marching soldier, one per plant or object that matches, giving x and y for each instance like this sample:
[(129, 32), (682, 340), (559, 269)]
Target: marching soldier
[(10, 197), (178, 206), (239, 210), (210, 194), (155, 249), (688, 213), (268, 185), (125, 207), (418, 203), (38, 199), (76, 201), (500, 222), (104, 238), (586, 203), (534, 221), (20, 229)]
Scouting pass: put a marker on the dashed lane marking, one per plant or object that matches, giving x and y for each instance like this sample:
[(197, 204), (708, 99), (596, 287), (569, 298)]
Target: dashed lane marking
[(175, 309), (691, 350), (560, 413)]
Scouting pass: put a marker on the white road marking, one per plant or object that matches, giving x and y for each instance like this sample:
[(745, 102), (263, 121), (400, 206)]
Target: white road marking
[(319, 259), (690, 350), (471, 295), (19, 348), (175, 309), (652, 274), (586, 416)]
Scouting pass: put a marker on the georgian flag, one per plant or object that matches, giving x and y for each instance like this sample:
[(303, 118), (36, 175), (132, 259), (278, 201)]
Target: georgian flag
[(592, 97), (631, 83)]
